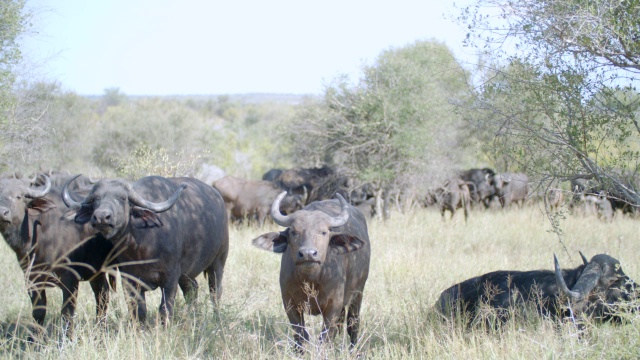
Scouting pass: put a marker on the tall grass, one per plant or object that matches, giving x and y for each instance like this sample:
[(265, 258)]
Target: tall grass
[(414, 257)]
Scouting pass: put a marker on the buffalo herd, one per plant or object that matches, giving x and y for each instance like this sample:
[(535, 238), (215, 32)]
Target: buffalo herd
[(160, 232)]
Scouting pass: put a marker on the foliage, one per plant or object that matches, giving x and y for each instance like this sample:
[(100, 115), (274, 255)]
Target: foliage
[(144, 161), (557, 97), (13, 23), (118, 135), (392, 127)]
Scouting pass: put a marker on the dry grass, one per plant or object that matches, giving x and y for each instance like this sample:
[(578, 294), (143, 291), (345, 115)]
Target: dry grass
[(415, 257)]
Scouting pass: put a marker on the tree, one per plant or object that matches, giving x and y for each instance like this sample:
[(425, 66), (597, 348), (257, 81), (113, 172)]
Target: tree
[(558, 98), (394, 127), (13, 22)]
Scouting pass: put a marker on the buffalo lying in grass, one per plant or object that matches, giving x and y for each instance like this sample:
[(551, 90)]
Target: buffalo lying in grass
[(593, 289)]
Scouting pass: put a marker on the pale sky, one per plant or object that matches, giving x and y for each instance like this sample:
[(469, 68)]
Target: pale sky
[(199, 47)]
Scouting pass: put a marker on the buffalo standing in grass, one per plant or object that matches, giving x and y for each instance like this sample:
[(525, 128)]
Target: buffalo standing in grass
[(166, 232), (511, 188), (52, 252), (483, 190), (594, 288), (304, 180), (248, 199), (325, 264), (455, 194)]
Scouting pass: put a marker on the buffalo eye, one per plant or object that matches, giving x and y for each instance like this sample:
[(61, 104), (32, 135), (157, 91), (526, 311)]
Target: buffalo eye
[(18, 197), (324, 233)]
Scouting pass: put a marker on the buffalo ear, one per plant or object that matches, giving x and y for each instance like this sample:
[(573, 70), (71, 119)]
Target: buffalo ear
[(144, 218), (40, 205), (81, 215), (344, 243), (273, 241)]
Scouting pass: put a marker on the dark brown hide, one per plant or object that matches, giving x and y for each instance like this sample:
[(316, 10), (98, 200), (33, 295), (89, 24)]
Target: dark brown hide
[(595, 288), (324, 268), (248, 199), (455, 194), (166, 247), (52, 252)]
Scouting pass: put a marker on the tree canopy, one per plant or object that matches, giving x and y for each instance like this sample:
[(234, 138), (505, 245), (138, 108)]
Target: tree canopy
[(13, 23), (394, 126), (557, 90)]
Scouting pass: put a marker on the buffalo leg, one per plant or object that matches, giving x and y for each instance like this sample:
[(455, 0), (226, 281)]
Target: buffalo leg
[(353, 319), (301, 335), (39, 305), (100, 288), (189, 288), (331, 320), (69, 298), (168, 299), (214, 276), (136, 301)]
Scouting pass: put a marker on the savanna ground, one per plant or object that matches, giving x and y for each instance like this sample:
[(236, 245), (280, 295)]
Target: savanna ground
[(415, 257)]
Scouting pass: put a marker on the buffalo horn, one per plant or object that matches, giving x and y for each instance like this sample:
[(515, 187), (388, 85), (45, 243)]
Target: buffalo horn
[(65, 194), (344, 214), (137, 199), (562, 285), (584, 258), (34, 194), (588, 279), (278, 218)]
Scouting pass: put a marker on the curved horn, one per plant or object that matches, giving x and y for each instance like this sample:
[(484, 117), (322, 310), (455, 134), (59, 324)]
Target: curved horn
[(584, 258), (278, 218), (344, 214), (33, 193), (562, 285), (137, 199), (66, 197), (34, 178), (588, 279)]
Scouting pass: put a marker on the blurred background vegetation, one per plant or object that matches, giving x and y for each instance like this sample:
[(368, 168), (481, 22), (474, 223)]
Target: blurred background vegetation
[(554, 99)]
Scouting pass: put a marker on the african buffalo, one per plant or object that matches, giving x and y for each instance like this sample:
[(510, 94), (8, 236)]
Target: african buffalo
[(324, 266), (454, 194), (246, 199), (589, 189), (594, 288), (599, 205), (481, 178), (271, 175), (554, 198), (301, 180), (511, 188), (52, 252), (166, 232)]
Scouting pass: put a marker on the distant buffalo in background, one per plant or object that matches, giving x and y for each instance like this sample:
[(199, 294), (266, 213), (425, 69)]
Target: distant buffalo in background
[(304, 180), (322, 183), (272, 174), (453, 195), (511, 188), (251, 200), (483, 190)]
